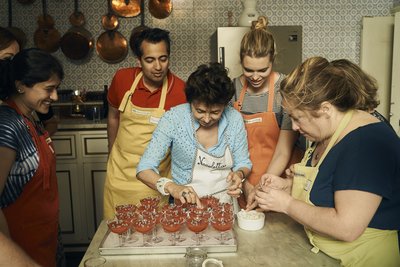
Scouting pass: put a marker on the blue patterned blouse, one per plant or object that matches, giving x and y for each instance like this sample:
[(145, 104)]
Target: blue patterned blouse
[(175, 131)]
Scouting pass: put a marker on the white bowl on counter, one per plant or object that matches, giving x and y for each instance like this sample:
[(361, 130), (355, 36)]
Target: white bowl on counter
[(250, 220)]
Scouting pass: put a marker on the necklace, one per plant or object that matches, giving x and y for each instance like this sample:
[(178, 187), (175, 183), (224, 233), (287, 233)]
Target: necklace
[(321, 148)]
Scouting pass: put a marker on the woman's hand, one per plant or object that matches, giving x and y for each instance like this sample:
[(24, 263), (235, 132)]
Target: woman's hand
[(185, 194), (250, 194), (270, 198), (276, 182), (235, 180), (290, 172)]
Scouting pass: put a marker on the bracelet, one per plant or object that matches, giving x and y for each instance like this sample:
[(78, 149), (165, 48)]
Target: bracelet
[(243, 176), (161, 185)]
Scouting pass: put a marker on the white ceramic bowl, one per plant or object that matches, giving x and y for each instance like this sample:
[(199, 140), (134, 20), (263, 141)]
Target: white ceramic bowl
[(250, 220)]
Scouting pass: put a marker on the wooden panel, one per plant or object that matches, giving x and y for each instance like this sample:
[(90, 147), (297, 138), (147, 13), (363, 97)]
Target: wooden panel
[(64, 146), (95, 174), (66, 206), (94, 145)]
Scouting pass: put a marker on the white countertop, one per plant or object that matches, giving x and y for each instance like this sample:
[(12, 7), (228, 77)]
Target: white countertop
[(281, 243)]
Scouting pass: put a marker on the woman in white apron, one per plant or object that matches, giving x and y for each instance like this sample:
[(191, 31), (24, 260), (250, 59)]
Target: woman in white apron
[(207, 140), (346, 189)]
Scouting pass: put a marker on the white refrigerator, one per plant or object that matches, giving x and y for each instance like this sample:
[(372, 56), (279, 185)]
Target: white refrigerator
[(380, 57), (288, 41)]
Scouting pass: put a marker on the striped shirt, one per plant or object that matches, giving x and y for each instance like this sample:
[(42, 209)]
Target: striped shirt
[(257, 103), (14, 134)]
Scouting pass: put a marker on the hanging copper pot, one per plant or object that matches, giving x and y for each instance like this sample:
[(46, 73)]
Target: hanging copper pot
[(46, 37), (160, 9), (135, 32), (126, 8), (17, 32), (111, 45), (77, 42)]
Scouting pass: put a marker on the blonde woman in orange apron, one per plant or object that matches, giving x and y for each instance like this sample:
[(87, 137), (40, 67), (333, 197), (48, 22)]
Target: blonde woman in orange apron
[(345, 190), (269, 130), (28, 182), (152, 90), (207, 140)]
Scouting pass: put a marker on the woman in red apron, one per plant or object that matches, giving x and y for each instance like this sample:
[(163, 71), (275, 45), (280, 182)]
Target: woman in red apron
[(29, 192), (345, 190), (270, 137)]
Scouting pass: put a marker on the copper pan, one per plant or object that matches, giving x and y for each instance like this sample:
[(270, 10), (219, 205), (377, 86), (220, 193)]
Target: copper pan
[(77, 42), (135, 32), (111, 45), (126, 8), (46, 37), (17, 32), (160, 9)]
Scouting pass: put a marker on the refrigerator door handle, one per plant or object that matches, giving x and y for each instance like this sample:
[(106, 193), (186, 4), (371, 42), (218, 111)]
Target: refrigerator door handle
[(222, 56)]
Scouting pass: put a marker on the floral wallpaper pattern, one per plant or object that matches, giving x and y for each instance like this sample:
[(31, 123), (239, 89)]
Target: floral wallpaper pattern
[(331, 28)]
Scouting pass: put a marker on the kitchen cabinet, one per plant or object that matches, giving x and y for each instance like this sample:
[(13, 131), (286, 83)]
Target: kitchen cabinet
[(81, 168), (380, 57)]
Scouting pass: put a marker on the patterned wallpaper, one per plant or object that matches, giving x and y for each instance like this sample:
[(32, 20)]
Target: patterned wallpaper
[(331, 28)]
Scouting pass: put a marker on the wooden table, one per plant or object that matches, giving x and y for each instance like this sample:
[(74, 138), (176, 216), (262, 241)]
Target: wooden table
[(282, 242)]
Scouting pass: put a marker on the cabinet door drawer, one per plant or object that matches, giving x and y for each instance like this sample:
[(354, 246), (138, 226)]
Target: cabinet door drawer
[(64, 146), (94, 146)]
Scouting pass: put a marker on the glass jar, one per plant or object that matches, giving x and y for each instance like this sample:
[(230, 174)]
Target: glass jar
[(195, 256)]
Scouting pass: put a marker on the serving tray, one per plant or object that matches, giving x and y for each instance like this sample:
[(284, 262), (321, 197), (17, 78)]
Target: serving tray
[(110, 243)]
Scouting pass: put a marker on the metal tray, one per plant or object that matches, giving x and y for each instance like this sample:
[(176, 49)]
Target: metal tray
[(110, 243)]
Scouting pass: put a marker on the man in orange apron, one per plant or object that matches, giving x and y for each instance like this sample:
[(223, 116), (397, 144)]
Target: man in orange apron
[(138, 97)]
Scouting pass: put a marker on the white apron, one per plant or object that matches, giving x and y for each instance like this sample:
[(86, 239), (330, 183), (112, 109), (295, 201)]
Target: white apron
[(209, 172)]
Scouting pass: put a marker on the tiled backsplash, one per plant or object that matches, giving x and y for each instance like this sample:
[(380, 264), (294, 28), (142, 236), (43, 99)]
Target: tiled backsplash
[(330, 29)]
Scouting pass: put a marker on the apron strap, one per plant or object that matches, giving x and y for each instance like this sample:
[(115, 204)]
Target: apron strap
[(342, 125), (271, 90), (129, 93)]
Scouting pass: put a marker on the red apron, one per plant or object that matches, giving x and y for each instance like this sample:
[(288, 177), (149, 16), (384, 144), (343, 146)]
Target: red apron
[(262, 135), (33, 218)]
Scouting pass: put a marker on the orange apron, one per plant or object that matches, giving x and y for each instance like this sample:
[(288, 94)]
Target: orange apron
[(136, 126), (33, 218), (262, 135)]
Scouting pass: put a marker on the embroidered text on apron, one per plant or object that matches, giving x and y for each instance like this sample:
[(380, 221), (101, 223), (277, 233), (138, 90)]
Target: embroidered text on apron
[(136, 127), (33, 218), (373, 248), (209, 172)]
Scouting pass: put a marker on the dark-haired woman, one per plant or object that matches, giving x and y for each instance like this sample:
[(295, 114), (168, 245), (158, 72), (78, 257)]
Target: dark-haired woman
[(9, 47), (28, 184), (207, 140)]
